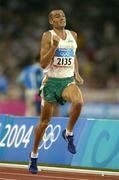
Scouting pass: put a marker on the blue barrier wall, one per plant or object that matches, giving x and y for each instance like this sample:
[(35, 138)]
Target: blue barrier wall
[(95, 110), (97, 142)]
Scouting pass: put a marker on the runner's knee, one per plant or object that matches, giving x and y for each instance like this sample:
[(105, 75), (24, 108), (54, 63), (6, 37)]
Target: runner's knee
[(42, 125), (77, 102)]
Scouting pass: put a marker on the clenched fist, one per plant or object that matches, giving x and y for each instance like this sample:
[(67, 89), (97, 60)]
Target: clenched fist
[(79, 79), (56, 40)]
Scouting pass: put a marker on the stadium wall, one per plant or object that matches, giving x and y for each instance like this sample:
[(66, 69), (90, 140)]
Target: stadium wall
[(97, 142)]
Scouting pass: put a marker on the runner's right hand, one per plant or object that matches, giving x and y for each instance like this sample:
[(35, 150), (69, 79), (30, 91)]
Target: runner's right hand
[(56, 40)]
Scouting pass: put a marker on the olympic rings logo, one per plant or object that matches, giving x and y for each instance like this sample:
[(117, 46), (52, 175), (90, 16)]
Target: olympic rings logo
[(65, 54), (50, 136)]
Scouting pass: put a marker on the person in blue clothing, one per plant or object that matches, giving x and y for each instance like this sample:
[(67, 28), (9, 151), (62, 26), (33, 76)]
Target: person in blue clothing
[(3, 84), (60, 65), (31, 78)]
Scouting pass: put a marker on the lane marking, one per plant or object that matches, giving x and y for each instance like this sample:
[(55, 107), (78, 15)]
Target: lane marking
[(66, 170), (43, 176), (6, 179)]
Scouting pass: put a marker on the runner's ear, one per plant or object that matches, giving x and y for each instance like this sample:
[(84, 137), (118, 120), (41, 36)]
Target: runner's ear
[(50, 21)]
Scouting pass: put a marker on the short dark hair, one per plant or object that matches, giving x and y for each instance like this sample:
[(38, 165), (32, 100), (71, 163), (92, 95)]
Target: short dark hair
[(50, 13)]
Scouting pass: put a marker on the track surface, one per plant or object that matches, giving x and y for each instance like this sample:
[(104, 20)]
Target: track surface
[(22, 174)]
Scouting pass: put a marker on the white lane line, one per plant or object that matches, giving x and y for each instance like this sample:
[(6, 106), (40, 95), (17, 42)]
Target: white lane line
[(43, 176), (57, 169), (61, 177), (6, 179)]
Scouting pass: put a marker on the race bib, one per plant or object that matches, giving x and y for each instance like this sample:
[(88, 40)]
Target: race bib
[(64, 57)]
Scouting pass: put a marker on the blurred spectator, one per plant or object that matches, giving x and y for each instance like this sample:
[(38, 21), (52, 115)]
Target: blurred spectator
[(3, 82), (30, 78), (96, 23)]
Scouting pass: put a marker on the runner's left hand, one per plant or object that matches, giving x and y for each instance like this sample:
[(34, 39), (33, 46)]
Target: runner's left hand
[(79, 79)]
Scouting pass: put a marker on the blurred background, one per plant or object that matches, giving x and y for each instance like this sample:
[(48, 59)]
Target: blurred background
[(97, 25)]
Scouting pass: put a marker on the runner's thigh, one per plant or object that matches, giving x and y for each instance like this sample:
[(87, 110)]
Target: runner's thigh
[(46, 111), (72, 94)]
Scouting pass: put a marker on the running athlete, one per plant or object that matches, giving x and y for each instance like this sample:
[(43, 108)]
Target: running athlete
[(58, 59)]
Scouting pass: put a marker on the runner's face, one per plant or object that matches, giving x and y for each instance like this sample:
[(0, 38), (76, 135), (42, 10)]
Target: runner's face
[(58, 19)]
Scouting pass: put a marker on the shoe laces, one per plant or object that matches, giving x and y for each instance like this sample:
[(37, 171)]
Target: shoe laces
[(33, 161), (70, 139)]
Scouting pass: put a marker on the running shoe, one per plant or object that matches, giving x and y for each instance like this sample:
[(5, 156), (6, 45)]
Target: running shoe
[(69, 140), (33, 165)]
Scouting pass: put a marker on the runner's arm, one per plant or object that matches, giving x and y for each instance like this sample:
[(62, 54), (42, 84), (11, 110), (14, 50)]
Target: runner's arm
[(76, 65), (47, 50)]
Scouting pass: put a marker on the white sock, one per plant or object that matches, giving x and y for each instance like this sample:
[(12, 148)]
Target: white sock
[(69, 133), (34, 155)]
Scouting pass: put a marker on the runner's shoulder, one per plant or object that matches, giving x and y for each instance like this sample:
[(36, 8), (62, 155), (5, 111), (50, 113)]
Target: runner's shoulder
[(46, 35), (74, 34)]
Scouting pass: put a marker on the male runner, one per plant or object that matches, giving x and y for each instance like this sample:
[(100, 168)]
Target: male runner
[(58, 59)]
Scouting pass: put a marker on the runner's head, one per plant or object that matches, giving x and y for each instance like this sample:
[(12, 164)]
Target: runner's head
[(57, 19)]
